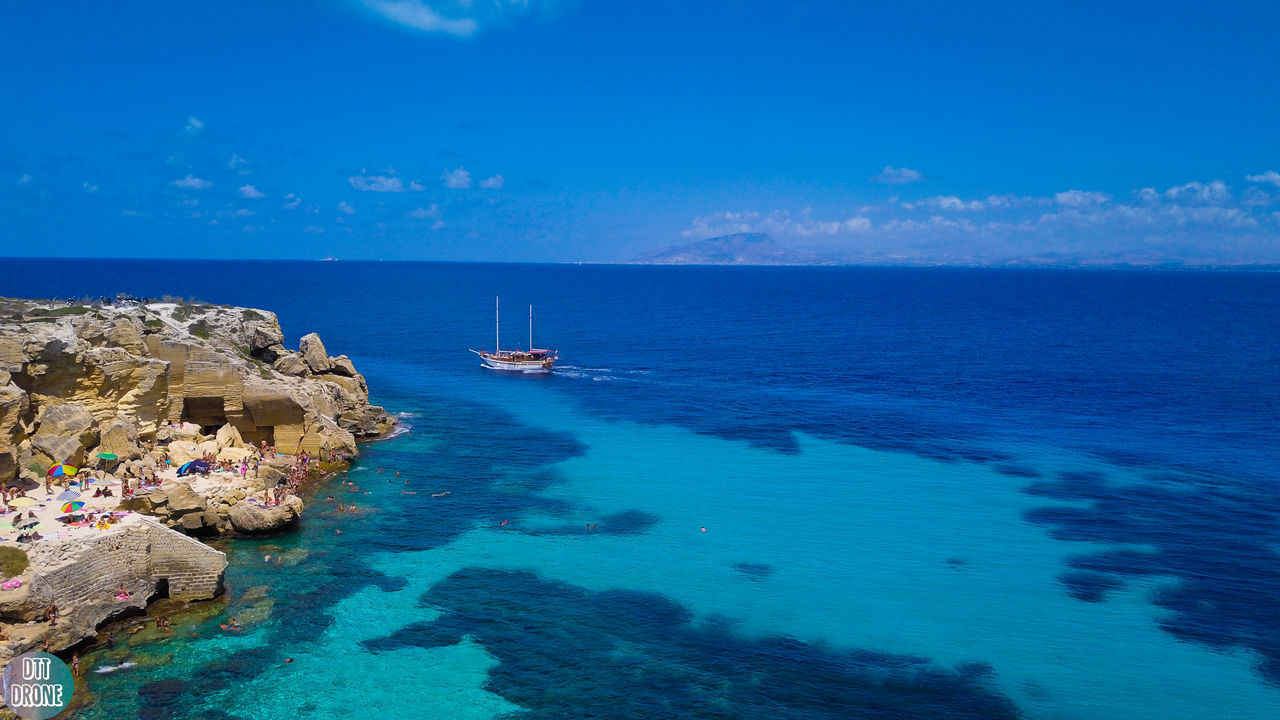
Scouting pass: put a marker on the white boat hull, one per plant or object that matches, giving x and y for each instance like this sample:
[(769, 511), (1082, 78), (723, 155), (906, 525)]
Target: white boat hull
[(524, 367), (521, 366)]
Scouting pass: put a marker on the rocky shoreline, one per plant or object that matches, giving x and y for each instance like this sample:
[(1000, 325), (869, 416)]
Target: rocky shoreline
[(152, 386)]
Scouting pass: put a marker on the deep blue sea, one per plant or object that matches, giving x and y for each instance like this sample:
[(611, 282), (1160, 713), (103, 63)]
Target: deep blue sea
[(926, 493)]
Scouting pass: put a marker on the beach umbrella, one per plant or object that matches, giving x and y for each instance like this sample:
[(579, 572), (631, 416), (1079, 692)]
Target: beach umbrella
[(68, 495), (72, 506), (195, 466), (62, 470), (108, 456), (22, 502)]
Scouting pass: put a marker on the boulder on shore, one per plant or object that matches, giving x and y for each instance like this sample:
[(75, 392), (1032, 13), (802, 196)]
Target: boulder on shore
[(251, 518), (314, 354)]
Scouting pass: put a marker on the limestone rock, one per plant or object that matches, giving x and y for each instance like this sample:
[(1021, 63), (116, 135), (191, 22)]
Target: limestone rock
[(70, 419), (229, 437), (182, 499), (14, 405), (126, 333), (235, 455), (291, 364), (119, 435), (314, 354), (52, 449), (272, 352), (270, 476), (342, 366), (251, 518), (264, 336), (12, 355), (17, 605)]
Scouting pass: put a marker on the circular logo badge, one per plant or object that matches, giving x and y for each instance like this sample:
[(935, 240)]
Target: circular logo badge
[(37, 685)]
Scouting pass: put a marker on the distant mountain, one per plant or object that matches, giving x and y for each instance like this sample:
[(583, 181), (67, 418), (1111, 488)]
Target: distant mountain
[(737, 249)]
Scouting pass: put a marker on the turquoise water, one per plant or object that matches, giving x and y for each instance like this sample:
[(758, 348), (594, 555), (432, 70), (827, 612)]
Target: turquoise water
[(861, 549), (1040, 495)]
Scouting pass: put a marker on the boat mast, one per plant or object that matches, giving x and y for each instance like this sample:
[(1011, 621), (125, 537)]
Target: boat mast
[(530, 328), (496, 346)]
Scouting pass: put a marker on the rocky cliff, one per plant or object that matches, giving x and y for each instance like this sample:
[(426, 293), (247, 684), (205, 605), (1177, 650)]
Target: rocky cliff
[(77, 380)]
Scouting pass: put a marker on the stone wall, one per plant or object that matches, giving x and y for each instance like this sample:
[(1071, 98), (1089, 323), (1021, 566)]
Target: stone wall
[(81, 576)]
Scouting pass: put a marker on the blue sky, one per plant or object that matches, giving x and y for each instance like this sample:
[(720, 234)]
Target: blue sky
[(915, 132)]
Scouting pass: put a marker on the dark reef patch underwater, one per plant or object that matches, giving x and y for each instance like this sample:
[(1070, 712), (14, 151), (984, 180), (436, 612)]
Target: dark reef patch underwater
[(1220, 544), (571, 653)]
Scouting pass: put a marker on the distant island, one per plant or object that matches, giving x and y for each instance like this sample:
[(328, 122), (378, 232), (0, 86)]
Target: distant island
[(757, 248), (736, 249)]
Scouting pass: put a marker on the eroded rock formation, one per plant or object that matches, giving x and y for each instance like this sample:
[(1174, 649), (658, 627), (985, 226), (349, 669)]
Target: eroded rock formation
[(76, 381)]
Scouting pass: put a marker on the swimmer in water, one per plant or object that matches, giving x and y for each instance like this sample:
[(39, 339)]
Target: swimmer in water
[(266, 558), (704, 528)]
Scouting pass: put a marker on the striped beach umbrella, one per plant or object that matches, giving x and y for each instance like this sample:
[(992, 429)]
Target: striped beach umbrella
[(62, 470), (72, 506)]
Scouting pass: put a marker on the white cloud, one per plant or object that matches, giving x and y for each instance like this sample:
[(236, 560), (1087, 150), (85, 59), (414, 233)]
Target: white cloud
[(437, 225), (238, 164), (424, 213), (1195, 223), (251, 192), (292, 201), (376, 183), (1080, 198), (416, 186), (190, 202), (346, 208), (723, 223), (778, 222), (191, 182), (89, 187), (494, 183), (316, 229), (1215, 192), (193, 125), (946, 202), (418, 15), (24, 179), (897, 176), (458, 179), (1270, 176), (1256, 197)]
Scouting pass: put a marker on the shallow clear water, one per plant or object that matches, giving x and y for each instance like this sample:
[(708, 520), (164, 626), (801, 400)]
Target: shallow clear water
[(926, 493)]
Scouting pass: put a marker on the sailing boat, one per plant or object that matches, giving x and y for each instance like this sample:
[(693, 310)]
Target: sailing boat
[(531, 361)]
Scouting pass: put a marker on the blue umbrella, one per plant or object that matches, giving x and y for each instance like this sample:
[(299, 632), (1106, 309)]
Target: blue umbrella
[(194, 466), (68, 495)]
